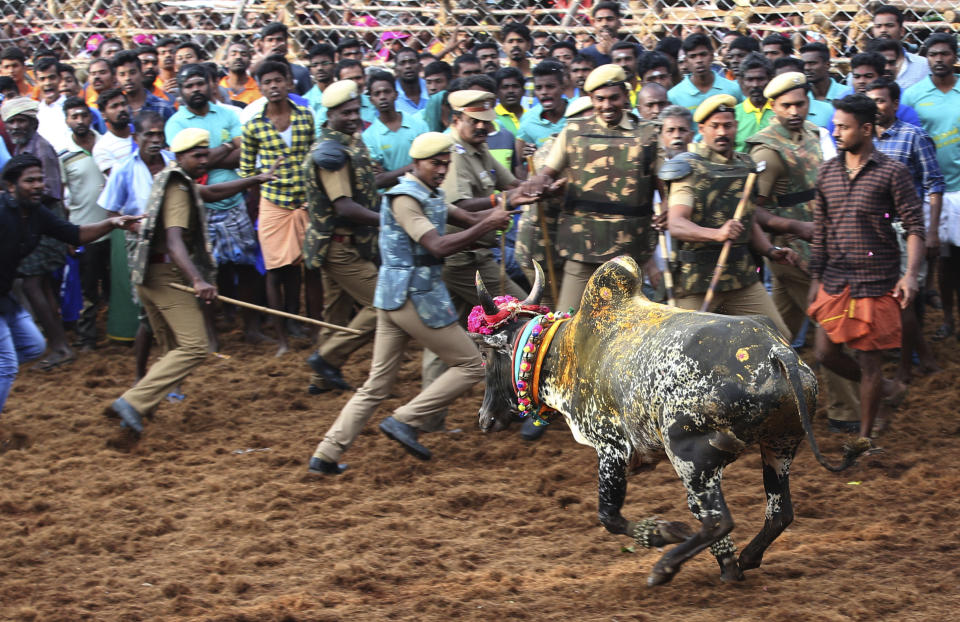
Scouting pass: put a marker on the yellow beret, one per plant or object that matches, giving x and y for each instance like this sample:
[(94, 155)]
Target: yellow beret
[(476, 104), (604, 75), (783, 83), (339, 92), (712, 104), (430, 144), (579, 105), (187, 139)]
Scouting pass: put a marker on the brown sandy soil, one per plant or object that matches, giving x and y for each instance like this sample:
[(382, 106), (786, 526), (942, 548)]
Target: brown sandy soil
[(189, 525)]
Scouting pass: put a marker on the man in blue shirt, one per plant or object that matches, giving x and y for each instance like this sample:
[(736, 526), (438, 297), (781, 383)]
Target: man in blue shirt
[(411, 88), (937, 101), (390, 135), (702, 82), (129, 76), (816, 66), (912, 146), (232, 237), (864, 69), (320, 63), (545, 120)]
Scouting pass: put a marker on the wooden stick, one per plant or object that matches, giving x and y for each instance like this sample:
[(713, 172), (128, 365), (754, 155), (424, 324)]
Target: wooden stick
[(664, 251), (284, 314), (725, 251), (503, 250), (545, 238)]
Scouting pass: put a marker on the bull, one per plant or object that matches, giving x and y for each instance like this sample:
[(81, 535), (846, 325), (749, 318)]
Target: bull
[(633, 378)]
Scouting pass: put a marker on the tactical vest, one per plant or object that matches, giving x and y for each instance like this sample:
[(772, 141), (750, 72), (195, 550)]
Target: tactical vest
[(609, 201), (323, 216), (408, 269), (801, 162), (717, 189), (200, 251)]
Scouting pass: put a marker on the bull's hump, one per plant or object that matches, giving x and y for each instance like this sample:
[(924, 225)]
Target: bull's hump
[(611, 286)]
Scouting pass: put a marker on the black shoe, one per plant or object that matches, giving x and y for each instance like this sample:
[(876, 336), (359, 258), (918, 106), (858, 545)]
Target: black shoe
[(131, 418), (314, 389), (328, 372), (324, 467), (843, 427), (406, 435), (531, 432)]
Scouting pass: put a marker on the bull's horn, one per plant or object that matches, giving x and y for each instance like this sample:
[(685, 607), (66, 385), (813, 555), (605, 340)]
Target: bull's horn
[(486, 300), (536, 293)]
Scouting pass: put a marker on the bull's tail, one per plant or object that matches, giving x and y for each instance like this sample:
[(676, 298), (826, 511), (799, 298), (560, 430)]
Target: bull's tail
[(851, 452)]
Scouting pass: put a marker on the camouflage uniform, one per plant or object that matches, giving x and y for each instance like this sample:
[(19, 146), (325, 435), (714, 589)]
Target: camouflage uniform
[(174, 315), (344, 251), (412, 303), (789, 182), (609, 198), (713, 189)]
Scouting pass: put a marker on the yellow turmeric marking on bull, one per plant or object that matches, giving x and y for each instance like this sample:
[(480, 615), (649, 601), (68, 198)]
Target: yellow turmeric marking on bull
[(742, 355)]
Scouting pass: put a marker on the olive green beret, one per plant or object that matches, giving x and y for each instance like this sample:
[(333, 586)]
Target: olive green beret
[(474, 103), (189, 138), (604, 75), (783, 83), (714, 104), (339, 92), (430, 144), (579, 105)]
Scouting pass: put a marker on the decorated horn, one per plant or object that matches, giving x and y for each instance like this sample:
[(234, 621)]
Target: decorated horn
[(536, 293), (486, 300)]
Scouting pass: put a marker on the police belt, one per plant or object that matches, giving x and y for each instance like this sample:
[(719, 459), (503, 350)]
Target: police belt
[(710, 256), (420, 261), (793, 198), (613, 209)]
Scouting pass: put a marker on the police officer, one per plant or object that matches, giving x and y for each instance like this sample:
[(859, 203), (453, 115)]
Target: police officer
[(702, 205), (412, 302), (172, 247), (790, 149), (340, 240), (471, 184), (529, 247), (608, 161)]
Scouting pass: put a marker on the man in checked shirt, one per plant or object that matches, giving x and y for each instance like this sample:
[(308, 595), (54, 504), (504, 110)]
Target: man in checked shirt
[(855, 258), (282, 132)]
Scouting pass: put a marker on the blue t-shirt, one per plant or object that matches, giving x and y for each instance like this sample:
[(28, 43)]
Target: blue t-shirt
[(224, 126), (939, 115), (686, 94), (389, 149), (820, 112), (535, 130)]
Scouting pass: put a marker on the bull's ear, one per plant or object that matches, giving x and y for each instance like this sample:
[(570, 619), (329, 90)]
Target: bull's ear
[(498, 342)]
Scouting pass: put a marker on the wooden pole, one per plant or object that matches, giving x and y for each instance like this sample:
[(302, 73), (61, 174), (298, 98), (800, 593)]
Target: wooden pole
[(545, 240), (284, 314), (725, 251), (664, 251), (503, 250)]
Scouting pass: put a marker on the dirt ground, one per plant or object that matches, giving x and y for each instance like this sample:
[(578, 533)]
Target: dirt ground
[(212, 515)]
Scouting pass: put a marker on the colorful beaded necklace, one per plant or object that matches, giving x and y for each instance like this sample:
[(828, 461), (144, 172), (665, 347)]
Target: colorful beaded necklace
[(529, 350)]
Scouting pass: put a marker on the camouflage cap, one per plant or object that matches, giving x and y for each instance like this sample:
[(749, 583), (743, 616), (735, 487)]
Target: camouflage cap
[(430, 144), (578, 106), (473, 103), (783, 83), (604, 75), (190, 138), (712, 105), (338, 93)]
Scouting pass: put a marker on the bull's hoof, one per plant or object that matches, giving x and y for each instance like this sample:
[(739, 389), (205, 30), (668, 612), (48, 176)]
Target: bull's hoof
[(748, 561), (673, 532), (660, 576), (730, 570)]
